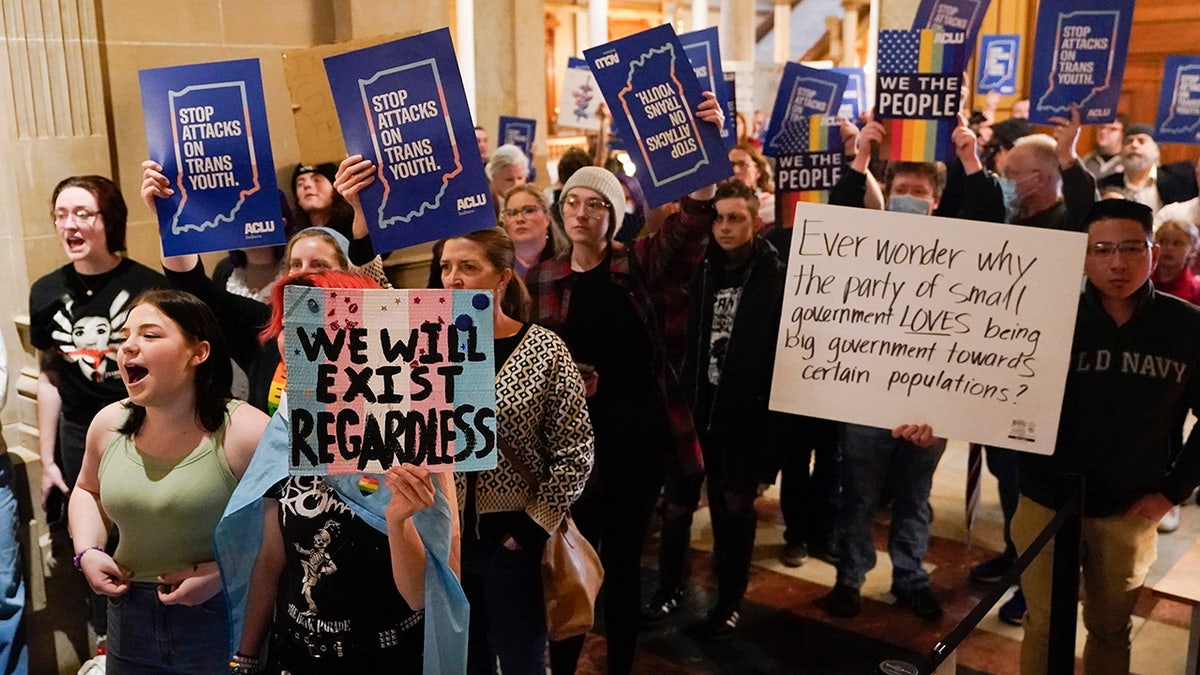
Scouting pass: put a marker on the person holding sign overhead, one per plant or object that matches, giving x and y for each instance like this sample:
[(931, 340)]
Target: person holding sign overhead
[(603, 299), (160, 466), (546, 456)]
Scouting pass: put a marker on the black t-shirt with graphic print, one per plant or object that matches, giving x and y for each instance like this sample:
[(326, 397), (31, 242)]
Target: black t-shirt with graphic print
[(79, 331), (337, 575)]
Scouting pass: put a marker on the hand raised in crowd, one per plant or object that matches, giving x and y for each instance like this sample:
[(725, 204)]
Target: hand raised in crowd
[(154, 184), (1066, 135), (190, 586), (103, 573), (849, 135), (353, 175), (1152, 507), (920, 435), (710, 111), (966, 146), (871, 134), (412, 490)]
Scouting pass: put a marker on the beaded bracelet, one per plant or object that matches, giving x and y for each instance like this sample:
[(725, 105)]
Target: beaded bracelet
[(79, 556), (240, 663)]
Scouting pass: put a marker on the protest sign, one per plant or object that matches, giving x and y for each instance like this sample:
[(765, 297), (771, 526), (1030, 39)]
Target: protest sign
[(803, 92), (518, 131), (919, 93), (808, 174), (998, 56), (653, 95), (384, 377), (704, 52), (854, 99), (580, 99), (1179, 102), (962, 17), (892, 318), (731, 106), (206, 125), (1079, 57), (401, 105), (765, 79)]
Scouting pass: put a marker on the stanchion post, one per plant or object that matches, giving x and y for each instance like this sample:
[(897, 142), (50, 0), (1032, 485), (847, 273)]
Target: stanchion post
[(1064, 585)]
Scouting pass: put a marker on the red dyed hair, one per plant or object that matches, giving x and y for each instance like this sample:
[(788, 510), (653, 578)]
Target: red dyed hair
[(325, 279)]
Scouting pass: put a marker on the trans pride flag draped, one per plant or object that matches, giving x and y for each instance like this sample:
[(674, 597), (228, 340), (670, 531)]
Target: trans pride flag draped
[(919, 93)]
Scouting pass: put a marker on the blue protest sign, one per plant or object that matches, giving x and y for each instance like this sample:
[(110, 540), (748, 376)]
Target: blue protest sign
[(1079, 57), (854, 99), (803, 92), (206, 125), (704, 51), (401, 105), (652, 92), (518, 131), (1179, 103), (918, 93), (953, 16), (998, 56), (731, 105)]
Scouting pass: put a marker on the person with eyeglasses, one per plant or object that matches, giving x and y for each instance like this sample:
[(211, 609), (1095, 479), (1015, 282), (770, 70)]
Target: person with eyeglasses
[(751, 169), (526, 218), (606, 301), (75, 315), (1135, 355)]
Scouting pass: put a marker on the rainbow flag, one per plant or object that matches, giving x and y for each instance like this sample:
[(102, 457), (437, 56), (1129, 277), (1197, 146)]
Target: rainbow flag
[(807, 176), (381, 377), (919, 93)]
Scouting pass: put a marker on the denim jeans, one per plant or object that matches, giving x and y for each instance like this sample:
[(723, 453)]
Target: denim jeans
[(871, 460), (508, 611), (14, 654), (146, 636)]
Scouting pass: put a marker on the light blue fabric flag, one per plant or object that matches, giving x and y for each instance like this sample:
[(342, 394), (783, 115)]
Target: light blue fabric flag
[(239, 534)]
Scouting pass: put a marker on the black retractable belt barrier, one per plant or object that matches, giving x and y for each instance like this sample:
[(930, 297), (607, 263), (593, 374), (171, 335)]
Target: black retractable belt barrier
[(1064, 593)]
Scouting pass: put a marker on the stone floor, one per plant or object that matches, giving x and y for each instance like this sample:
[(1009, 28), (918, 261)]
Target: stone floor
[(782, 631)]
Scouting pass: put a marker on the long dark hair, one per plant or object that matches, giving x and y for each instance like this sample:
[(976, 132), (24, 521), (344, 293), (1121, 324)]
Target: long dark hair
[(108, 199), (213, 377)]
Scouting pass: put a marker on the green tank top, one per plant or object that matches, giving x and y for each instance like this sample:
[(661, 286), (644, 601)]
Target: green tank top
[(166, 510)]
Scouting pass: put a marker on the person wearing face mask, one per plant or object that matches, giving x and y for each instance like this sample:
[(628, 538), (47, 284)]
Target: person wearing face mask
[(1053, 189), (1146, 181)]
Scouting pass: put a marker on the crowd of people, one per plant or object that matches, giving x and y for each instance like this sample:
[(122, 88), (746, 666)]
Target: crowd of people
[(634, 351)]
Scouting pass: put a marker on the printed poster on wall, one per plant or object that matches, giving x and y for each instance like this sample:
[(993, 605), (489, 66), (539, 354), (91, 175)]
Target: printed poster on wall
[(998, 57), (854, 99), (1179, 101), (953, 16), (401, 105), (703, 49), (955, 323), (1079, 57), (206, 125), (803, 92), (809, 169), (384, 377), (653, 95), (918, 93), (518, 131), (580, 98)]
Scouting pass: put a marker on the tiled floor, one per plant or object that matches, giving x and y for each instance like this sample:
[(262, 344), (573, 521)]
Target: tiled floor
[(783, 632)]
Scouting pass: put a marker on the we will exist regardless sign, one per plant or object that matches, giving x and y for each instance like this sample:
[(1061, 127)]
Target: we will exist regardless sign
[(891, 318)]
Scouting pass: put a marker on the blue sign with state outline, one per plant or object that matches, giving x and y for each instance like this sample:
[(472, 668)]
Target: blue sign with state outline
[(402, 105), (1179, 101), (998, 55), (703, 48), (803, 92), (206, 125), (1079, 58), (652, 92)]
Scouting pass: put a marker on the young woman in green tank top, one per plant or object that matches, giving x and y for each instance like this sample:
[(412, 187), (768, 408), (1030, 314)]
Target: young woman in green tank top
[(161, 466)]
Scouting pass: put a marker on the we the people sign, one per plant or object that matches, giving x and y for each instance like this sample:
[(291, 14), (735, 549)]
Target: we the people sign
[(891, 318), (377, 378)]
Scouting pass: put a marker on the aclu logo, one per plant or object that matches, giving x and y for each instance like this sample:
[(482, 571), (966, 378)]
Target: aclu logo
[(944, 38), (260, 227), (472, 201), (610, 59)]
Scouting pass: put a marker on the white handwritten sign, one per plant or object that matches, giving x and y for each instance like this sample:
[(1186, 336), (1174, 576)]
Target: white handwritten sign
[(891, 318)]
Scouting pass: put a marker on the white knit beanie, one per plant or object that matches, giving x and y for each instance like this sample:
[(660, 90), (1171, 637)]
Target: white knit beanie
[(604, 182)]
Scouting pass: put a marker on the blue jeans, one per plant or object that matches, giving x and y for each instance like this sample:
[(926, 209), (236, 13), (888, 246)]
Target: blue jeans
[(14, 654), (871, 459), (146, 636)]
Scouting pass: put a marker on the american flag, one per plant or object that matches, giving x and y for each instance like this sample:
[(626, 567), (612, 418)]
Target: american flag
[(899, 51)]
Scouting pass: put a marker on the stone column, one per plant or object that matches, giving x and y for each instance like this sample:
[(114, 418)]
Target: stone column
[(833, 31), (699, 14), (783, 31), (850, 33), (737, 30)]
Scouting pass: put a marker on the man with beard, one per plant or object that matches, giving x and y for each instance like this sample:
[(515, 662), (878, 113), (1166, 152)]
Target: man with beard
[(1143, 179)]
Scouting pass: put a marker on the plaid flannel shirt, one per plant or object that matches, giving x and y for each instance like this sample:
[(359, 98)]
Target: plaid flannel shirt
[(654, 272)]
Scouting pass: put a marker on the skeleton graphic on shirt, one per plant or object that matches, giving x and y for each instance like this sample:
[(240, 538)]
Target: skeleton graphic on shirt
[(91, 341), (316, 563), (310, 497)]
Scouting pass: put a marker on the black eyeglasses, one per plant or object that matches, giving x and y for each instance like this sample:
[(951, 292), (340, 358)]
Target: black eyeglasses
[(524, 211)]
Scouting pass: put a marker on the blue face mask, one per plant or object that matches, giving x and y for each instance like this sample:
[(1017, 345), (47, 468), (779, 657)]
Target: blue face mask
[(906, 204), (1012, 200)]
